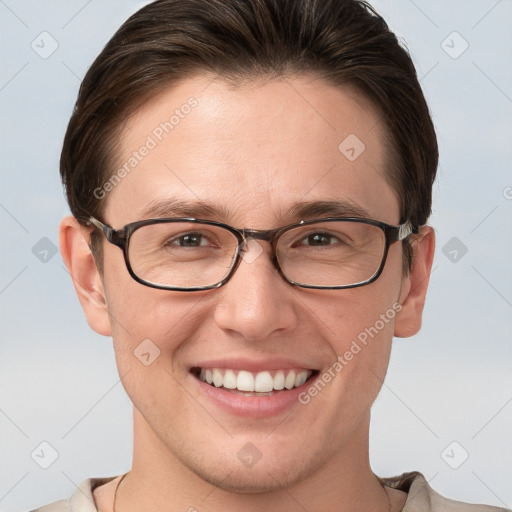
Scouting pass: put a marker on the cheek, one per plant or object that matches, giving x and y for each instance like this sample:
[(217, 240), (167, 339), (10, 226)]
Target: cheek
[(360, 331), (363, 351), (359, 314), (347, 389), (150, 332), (364, 356), (149, 324)]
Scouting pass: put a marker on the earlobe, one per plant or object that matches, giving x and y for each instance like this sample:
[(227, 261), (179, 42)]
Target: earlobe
[(415, 285), (82, 268)]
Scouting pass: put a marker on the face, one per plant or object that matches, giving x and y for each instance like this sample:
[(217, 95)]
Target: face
[(254, 152)]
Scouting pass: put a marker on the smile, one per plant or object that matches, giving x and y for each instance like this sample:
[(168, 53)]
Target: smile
[(263, 383)]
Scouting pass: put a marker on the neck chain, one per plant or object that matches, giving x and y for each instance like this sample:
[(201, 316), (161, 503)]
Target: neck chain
[(115, 494), (122, 478)]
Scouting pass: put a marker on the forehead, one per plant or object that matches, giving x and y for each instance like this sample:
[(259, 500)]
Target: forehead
[(253, 151)]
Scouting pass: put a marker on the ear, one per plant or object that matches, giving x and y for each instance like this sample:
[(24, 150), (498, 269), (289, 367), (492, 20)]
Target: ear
[(414, 286), (77, 256)]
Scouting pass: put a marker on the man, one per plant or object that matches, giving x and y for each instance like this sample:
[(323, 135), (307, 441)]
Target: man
[(250, 183)]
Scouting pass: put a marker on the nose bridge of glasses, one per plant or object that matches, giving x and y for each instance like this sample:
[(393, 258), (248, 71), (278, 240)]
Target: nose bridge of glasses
[(267, 235), (250, 235)]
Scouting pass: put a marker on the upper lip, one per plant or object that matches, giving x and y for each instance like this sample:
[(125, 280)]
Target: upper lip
[(254, 365)]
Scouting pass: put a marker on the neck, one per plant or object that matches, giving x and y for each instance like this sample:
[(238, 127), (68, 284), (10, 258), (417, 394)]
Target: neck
[(342, 482)]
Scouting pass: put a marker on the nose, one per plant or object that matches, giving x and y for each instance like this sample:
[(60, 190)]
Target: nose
[(256, 303)]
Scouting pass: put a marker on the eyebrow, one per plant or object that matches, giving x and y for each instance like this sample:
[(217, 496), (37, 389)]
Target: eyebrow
[(172, 207), (327, 208), (303, 210)]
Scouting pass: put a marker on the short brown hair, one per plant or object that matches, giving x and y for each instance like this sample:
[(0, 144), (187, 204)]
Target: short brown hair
[(340, 41)]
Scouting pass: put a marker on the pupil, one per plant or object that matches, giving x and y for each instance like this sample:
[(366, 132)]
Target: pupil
[(190, 240), (318, 239)]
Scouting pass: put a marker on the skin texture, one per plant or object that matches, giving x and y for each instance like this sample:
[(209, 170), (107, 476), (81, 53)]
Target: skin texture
[(253, 149)]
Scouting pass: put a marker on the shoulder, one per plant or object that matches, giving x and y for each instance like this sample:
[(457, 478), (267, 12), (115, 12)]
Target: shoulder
[(422, 498), (58, 506), (82, 499)]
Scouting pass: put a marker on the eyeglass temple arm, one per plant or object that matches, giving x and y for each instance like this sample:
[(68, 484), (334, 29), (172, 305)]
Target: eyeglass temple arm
[(406, 229), (106, 230)]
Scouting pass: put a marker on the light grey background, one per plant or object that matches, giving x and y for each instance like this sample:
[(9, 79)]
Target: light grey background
[(452, 382)]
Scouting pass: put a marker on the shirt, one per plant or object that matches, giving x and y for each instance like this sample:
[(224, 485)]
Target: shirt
[(420, 497)]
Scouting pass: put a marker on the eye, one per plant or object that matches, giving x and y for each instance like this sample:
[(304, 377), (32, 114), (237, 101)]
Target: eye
[(319, 239), (192, 239)]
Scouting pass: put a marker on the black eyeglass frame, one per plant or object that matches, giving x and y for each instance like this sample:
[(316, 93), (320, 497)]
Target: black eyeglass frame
[(121, 238)]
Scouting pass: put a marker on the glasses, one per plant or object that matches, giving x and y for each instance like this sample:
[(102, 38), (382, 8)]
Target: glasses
[(188, 254)]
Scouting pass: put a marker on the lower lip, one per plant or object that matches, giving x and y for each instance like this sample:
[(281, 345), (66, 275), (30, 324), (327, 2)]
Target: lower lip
[(253, 406)]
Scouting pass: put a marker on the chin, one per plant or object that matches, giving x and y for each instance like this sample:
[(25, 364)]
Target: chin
[(250, 480), (267, 474)]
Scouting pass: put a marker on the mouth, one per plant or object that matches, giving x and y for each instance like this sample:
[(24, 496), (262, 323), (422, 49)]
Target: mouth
[(255, 384)]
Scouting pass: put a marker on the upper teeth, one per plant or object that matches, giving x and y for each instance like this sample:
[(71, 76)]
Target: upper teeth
[(260, 382)]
